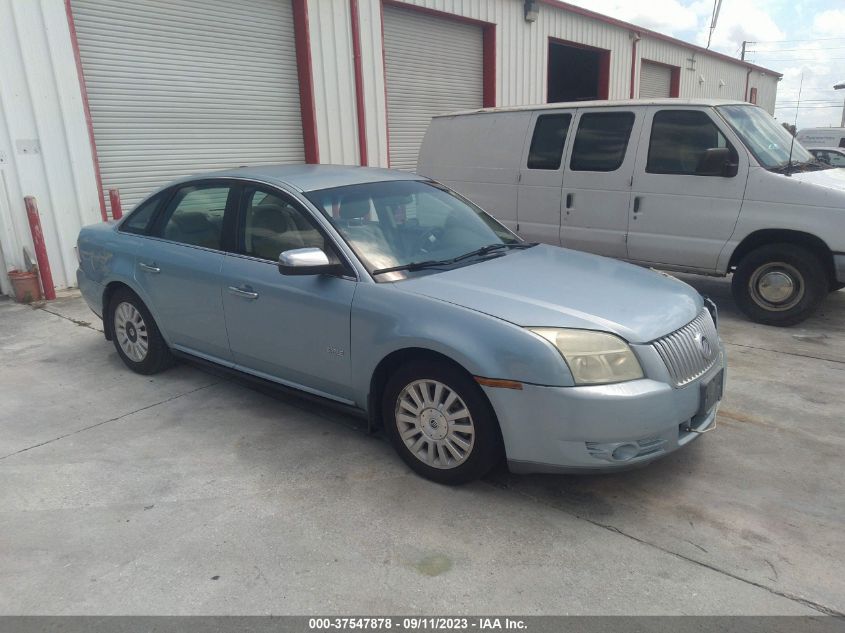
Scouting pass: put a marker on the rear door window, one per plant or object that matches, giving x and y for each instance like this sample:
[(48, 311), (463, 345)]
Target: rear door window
[(195, 216), (548, 141), (140, 219), (601, 141)]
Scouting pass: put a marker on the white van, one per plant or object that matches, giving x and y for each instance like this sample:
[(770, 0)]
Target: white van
[(703, 186), (822, 137)]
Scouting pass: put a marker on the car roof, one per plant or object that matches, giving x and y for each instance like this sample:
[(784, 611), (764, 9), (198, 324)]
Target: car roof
[(309, 177), (618, 103)]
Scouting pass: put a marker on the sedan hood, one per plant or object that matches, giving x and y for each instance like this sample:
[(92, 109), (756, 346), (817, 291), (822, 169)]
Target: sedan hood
[(555, 287)]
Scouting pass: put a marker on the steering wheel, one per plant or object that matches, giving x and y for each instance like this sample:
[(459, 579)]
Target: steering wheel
[(428, 241)]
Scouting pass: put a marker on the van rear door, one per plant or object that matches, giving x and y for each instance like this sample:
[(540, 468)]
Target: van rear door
[(680, 216), (597, 182)]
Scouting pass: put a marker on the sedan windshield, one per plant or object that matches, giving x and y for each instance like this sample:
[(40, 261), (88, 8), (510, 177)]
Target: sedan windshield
[(765, 138), (411, 224)]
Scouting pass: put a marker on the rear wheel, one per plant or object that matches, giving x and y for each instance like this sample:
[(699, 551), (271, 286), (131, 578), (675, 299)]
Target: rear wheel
[(440, 423), (136, 336), (779, 284)]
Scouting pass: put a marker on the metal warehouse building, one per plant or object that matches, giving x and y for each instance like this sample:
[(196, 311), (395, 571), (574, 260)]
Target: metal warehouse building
[(128, 94)]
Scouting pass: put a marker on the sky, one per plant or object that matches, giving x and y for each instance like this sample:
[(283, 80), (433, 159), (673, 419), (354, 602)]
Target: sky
[(794, 37)]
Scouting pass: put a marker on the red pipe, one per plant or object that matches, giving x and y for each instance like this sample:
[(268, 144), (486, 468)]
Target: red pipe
[(40, 248), (114, 201)]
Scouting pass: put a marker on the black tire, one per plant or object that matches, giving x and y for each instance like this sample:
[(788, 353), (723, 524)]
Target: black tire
[(157, 356), (788, 262), (486, 444)]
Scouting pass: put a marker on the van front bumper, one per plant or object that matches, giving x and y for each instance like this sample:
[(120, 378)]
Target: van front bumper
[(600, 428)]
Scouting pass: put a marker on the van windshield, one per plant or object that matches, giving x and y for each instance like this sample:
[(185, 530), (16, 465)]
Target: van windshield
[(764, 137)]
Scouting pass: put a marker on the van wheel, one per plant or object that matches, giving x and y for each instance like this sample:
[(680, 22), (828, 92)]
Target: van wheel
[(779, 284), (440, 423), (136, 336)]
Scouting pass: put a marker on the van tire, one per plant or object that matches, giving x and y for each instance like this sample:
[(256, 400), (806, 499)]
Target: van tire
[(779, 284)]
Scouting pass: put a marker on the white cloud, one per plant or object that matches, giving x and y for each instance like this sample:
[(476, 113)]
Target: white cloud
[(667, 16), (830, 22)]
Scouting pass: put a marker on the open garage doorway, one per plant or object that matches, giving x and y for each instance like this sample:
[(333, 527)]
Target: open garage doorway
[(577, 72)]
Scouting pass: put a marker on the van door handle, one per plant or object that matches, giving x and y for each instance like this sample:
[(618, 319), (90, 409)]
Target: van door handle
[(569, 198), (147, 268), (244, 292), (637, 204)]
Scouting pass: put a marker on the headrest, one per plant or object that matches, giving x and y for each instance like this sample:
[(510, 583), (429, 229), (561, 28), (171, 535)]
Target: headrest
[(270, 216), (192, 222), (352, 208)]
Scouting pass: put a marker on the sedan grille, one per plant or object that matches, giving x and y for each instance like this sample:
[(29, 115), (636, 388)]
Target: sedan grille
[(690, 351)]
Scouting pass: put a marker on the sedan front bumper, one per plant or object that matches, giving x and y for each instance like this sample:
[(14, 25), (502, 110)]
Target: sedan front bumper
[(579, 429)]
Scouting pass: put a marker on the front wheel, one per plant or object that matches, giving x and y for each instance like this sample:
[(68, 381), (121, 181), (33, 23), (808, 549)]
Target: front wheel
[(779, 284), (440, 423)]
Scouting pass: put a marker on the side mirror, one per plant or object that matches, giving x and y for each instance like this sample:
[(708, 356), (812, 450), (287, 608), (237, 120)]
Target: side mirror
[(308, 261), (717, 161)]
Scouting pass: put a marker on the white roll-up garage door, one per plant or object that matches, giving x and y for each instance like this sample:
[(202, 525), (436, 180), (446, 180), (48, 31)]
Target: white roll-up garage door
[(434, 66), (655, 81), (180, 87)]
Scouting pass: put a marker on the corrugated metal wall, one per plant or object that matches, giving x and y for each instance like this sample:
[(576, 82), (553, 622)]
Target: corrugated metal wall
[(44, 147), (521, 63)]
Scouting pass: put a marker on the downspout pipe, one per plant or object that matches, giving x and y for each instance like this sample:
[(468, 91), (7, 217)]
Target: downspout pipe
[(635, 40)]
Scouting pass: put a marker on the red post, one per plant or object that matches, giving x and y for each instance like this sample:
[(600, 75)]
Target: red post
[(40, 248), (114, 200)]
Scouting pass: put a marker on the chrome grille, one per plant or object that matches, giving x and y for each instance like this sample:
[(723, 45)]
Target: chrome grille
[(683, 351)]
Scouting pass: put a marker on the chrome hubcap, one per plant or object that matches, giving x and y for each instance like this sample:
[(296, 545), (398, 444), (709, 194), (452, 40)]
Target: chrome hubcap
[(131, 332), (776, 286), (435, 424)]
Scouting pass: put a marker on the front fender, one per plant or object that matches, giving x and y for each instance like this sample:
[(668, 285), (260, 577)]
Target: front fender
[(386, 319)]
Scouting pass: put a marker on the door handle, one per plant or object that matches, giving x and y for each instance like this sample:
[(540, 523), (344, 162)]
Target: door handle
[(147, 268), (243, 292), (637, 204), (569, 198)]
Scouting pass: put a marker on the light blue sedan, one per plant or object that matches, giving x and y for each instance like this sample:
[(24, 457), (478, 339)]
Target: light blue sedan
[(393, 296)]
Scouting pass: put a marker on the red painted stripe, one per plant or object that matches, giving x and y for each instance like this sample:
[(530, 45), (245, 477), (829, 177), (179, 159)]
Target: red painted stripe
[(359, 83), (384, 77), (653, 34), (489, 70), (302, 36), (88, 120)]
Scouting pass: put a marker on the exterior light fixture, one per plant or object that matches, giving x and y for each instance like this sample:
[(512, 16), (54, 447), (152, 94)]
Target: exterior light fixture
[(532, 10)]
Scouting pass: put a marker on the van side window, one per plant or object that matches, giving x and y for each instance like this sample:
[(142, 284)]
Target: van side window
[(679, 139), (547, 143), (842, 142), (601, 141)]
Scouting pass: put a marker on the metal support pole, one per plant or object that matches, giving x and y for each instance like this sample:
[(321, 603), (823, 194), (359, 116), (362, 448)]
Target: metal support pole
[(114, 201), (40, 248)]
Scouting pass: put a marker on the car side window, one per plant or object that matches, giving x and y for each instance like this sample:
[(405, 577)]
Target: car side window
[(546, 150), (601, 141), (195, 216), (139, 220), (679, 141), (837, 160), (271, 225)]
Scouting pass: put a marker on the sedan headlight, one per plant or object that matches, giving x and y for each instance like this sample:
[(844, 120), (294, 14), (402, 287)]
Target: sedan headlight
[(594, 358)]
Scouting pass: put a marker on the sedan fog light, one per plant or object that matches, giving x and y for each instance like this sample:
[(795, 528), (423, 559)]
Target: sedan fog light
[(625, 452)]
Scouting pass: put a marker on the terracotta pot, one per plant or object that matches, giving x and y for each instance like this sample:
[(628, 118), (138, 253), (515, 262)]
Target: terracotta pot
[(26, 286)]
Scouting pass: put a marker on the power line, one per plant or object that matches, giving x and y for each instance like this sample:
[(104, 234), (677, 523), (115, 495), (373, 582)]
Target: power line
[(793, 59), (815, 39), (802, 50)]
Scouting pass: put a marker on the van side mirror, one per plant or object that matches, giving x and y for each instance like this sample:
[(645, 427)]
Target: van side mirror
[(308, 261), (717, 161)]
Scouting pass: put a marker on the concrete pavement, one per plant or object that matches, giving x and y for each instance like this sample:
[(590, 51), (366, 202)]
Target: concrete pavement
[(191, 493)]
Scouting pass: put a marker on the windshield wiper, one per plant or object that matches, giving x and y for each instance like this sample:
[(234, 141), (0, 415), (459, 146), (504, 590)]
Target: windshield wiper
[(484, 250)]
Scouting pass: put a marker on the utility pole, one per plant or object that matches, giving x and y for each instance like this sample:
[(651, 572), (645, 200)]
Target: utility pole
[(840, 87), (744, 43)]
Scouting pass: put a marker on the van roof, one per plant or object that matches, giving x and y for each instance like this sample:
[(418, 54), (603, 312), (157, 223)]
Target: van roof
[(619, 103)]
